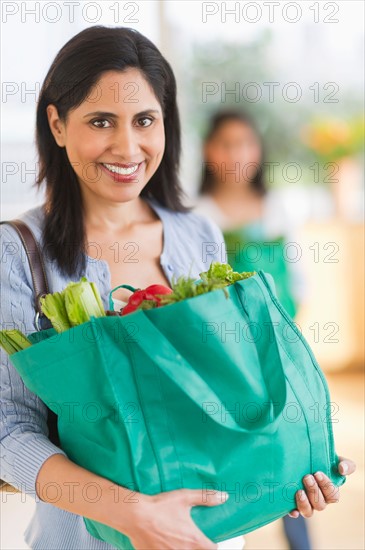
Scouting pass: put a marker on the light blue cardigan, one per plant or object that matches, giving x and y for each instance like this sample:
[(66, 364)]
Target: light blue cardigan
[(191, 242)]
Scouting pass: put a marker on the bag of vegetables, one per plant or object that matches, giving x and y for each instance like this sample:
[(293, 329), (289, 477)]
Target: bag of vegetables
[(206, 385)]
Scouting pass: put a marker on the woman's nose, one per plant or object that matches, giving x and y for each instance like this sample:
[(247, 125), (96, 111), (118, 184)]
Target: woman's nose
[(125, 144)]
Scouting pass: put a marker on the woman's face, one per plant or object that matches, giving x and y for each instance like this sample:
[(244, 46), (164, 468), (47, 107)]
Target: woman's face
[(115, 139), (234, 153)]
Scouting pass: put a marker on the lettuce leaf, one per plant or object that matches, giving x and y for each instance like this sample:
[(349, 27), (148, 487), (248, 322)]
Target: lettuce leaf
[(224, 272)]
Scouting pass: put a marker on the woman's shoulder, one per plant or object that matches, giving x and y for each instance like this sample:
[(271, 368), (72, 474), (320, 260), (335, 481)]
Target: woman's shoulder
[(33, 218), (14, 263)]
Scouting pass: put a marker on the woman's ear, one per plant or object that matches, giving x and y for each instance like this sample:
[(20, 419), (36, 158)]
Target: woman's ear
[(56, 125)]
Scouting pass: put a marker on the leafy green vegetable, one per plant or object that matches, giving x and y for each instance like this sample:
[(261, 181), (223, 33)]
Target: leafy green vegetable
[(13, 341), (224, 272), (147, 304), (217, 277), (81, 302), (53, 306), (73, 306), (97, 296)]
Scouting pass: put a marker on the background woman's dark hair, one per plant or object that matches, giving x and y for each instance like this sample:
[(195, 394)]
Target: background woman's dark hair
[(75, 70), (258, 183)]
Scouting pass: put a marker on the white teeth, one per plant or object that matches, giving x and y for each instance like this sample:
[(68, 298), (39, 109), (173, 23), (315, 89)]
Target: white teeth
[(120, 170)]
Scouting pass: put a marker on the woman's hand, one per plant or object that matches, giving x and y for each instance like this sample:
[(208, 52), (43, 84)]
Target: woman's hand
[(320, 491), (163, 521)]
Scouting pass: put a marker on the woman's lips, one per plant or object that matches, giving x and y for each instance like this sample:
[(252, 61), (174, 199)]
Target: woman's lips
[(123, 177)]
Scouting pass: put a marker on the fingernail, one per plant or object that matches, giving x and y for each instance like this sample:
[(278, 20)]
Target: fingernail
[(344, 468), (319, 476), (309, 480), (302, 495), (222, 497)]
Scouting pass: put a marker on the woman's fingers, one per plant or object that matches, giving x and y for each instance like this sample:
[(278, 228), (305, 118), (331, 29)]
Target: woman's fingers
[(330, 492), (314, 493), (303, 504), (346, 466), (319, 490)]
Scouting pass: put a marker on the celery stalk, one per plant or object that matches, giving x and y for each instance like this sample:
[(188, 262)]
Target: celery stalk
[(53, 306), (82, 301), (74, 305), (13, 341)]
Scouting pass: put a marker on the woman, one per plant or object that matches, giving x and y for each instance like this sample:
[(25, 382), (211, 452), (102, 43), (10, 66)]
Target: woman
[(108, 138), (257, 228)]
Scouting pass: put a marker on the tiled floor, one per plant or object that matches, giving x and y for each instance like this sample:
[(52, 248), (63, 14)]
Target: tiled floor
[(339, 527)]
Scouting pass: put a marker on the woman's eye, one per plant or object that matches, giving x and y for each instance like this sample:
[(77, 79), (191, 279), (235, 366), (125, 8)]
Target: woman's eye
[(145, 121), (100, 123)]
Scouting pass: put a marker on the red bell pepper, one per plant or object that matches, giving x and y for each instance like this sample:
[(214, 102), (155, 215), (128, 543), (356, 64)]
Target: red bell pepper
[(152, 293)]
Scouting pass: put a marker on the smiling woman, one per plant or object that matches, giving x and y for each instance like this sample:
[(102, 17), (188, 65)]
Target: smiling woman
[(115, 144), (108, 138), (110, 143), (123, 146)]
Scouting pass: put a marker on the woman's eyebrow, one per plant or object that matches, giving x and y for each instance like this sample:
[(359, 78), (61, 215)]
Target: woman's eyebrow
[(113, 115)]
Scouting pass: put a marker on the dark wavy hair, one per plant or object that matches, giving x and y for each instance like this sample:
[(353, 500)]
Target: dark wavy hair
[(75, 70), (218, 120)]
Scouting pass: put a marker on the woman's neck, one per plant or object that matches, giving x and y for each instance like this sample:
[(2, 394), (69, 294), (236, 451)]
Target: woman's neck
[(115, 217)]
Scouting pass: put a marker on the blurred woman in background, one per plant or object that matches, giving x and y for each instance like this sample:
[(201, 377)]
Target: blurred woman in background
[(258, 231)]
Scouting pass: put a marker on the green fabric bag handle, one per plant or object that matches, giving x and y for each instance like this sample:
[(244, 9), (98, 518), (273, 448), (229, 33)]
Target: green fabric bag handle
[(183, 374), (111, 303)]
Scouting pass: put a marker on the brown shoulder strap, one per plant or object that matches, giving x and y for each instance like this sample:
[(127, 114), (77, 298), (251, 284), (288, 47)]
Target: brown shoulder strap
[(40, 285), (36, 264)]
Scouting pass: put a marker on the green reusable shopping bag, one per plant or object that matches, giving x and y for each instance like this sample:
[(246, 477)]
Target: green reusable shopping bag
[(209, 393)]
